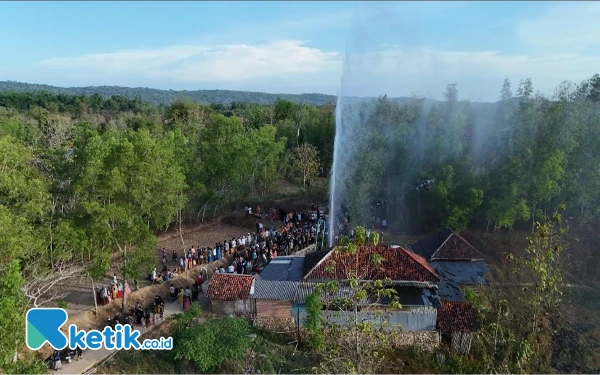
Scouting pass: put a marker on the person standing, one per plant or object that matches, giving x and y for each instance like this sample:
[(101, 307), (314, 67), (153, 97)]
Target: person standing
[(57, 362)]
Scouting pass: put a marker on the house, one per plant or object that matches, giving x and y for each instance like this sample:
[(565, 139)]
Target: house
[(410, 274), (276, 290), (455, 260), (229, 294)]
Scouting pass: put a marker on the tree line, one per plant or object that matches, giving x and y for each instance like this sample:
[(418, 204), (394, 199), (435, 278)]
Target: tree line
[(167, 97)]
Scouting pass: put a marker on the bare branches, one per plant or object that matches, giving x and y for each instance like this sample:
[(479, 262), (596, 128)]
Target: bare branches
[(40, 282)]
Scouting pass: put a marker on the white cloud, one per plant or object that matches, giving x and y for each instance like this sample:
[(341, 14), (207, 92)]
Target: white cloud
[(568, 25), (294, 66), (194, 63), (556, 52)]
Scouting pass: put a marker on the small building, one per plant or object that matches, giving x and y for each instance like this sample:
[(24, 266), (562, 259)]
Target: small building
[(276, 292), (229, 294), (456, 322), (412, 277), (274, 299)]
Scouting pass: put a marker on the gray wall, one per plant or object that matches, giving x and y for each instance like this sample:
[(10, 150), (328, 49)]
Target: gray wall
[(238, 307), (417, 319)]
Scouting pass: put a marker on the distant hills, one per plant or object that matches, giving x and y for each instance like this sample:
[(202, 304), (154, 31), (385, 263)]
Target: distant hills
[(156, 96)]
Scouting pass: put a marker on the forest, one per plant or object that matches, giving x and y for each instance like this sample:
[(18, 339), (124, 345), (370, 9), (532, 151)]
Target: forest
[(87, 180), (158, 97)]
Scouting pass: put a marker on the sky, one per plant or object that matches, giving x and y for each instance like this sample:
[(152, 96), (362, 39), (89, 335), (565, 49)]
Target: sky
[(348, 48)]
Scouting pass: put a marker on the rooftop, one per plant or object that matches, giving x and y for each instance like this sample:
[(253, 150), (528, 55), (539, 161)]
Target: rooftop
[(311, 260), (450, 291), (398, 264), (285, 268), (462, 272), (230, 287), (445, 245), (457, 317), (428, 245), (275, 289)]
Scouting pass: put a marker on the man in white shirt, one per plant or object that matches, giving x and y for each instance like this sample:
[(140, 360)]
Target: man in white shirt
[(230, 269)]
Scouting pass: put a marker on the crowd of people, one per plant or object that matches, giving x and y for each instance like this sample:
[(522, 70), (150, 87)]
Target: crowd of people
[(251, 253), (298, 232), (106, 293)]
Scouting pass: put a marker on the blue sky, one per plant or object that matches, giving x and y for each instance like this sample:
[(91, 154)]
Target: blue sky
[(399, 49)]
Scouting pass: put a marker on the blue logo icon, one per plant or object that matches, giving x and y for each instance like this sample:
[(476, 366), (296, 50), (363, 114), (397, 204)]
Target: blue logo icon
[(43, 325)]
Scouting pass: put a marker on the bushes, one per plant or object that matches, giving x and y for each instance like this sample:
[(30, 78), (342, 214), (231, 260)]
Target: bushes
[(209, 345)]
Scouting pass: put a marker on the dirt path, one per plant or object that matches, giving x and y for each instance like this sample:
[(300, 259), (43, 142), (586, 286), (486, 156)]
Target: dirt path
[(89, 320), (91, 358)]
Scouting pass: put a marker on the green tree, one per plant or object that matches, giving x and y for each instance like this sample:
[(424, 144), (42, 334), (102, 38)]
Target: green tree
[(543, 263), (268, 162), (226, 154), (121, 176), (306, 163), (208, 345)]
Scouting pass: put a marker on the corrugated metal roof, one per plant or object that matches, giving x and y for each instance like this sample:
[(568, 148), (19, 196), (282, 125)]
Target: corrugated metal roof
[(287, 268), (280, 290), (461, 272)]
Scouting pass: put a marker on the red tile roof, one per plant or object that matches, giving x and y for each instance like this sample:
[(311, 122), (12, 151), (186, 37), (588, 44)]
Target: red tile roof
[(398, 264), (456, 248), (456, 316), (229, 287)]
